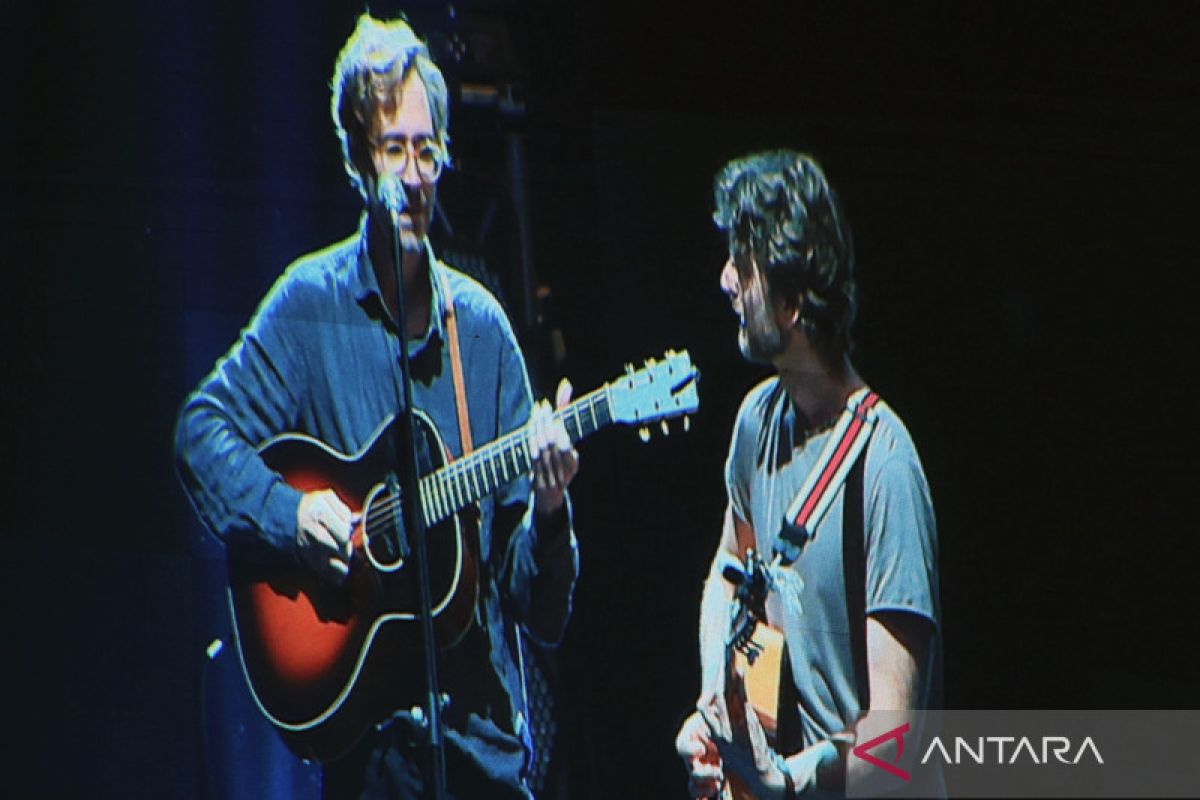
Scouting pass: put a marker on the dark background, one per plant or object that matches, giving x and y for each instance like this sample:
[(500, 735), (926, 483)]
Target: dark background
[(1021, 180)]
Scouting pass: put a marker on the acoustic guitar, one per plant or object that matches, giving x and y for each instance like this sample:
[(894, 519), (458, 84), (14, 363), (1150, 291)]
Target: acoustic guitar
[(324, 663), (755, 648)]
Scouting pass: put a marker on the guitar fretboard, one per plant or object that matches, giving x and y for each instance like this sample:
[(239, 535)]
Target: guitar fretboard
[(659, 391), (477, 475)]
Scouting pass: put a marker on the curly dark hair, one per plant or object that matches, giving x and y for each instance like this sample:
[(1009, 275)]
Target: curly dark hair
[(779, 208), (375, 60)]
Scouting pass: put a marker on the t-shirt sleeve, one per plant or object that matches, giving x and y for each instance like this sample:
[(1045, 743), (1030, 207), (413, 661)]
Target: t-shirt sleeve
[(739, 467), (901, 540)]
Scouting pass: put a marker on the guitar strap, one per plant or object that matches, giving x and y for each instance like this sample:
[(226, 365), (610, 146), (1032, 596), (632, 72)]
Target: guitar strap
[(840, 462), (841, 452), (854, 572), (460, 389)]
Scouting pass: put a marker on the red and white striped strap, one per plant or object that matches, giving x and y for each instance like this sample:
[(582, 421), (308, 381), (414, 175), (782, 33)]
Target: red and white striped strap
[(842, 449)]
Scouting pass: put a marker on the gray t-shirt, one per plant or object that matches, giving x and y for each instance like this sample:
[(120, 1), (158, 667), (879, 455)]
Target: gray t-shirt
[(766, 468)]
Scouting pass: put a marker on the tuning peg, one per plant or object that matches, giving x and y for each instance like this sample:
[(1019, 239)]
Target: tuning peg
[(687, 423), (644, 434), (666, 430), (629, 369)]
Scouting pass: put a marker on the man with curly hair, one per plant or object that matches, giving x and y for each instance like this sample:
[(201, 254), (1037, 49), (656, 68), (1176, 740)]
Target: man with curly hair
[(790, 279), (321, 357)]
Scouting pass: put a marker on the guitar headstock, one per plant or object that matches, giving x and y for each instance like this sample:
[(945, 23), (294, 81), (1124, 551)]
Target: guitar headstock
[(752, 582), (660, 390)]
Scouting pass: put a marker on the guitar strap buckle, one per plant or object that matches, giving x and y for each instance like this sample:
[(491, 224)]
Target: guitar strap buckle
[(790, 542)]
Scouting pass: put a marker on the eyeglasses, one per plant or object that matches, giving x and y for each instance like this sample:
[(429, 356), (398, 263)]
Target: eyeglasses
[(430, 156)]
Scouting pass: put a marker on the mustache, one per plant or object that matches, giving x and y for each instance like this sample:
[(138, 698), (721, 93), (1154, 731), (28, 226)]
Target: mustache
[(396, 197)]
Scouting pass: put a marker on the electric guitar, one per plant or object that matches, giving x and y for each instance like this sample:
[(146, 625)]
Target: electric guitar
[(324, 663)]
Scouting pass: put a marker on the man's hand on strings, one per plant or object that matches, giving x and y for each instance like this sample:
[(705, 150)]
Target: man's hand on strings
[(740, 740), (555, 460), (695, 746), (323, 527)]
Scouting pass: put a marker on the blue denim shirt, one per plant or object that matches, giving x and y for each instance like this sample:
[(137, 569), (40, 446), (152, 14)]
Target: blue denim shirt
[(321, 357)]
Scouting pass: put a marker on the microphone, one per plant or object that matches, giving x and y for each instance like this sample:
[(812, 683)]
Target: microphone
[(392, 196)]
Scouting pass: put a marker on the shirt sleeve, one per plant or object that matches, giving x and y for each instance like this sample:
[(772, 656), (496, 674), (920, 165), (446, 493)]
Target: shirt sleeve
[(901, 545), (739, 465), (541, 560), (248, 397)]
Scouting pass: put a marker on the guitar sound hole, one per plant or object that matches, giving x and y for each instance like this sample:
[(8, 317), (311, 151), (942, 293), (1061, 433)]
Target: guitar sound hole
[(385, 540)]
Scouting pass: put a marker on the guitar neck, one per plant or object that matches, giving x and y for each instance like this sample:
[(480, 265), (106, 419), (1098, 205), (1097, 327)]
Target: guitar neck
[(462, 482)]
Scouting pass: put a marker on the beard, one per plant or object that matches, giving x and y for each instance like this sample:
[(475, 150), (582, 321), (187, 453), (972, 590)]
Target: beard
[(412, 237), (760, 340), (412, 221)]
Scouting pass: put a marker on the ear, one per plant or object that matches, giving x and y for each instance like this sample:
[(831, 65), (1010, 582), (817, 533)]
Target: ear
[(788, 311)]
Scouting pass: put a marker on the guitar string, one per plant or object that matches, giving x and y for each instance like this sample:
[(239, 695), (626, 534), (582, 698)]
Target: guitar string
[(448, 484), (451, 476), (434, 487), (449, 487)]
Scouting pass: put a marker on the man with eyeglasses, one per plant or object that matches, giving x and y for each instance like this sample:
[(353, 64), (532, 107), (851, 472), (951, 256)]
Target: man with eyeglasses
[(321, 358)]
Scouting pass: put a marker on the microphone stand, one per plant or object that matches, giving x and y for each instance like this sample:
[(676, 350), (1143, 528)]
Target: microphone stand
[(415, 523)]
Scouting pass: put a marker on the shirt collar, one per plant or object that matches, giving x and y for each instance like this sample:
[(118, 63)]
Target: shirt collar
[(366, 286)]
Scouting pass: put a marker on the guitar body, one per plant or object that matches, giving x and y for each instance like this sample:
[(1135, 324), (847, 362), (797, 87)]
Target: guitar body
[(762, 690), (754, 648), (762, 677), (323, 662)]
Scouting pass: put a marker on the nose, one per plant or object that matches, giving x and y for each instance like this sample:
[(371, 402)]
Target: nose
[(410, 176), (729, 283)]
